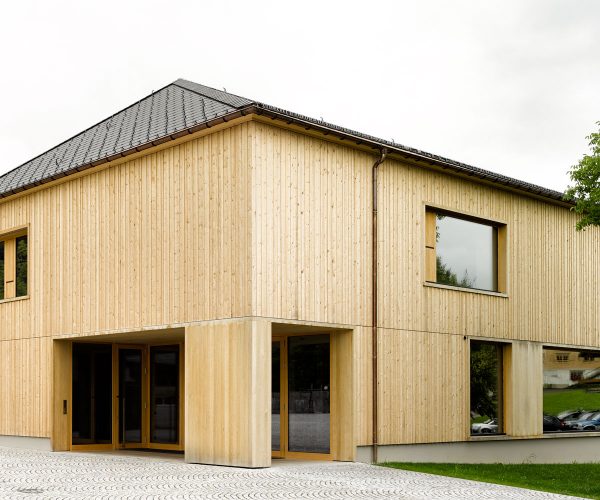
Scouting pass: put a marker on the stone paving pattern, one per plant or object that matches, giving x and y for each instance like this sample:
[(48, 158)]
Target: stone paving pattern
[(38, 474)]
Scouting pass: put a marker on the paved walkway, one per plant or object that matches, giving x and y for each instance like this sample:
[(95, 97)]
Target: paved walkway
[(36, 474)]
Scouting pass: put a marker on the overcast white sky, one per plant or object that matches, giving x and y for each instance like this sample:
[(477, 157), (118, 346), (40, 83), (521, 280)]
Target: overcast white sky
[(511, 86)]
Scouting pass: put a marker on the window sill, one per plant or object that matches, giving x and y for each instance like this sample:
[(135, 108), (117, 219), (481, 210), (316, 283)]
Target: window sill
[(489, 437), (467, 290), (548, 435), (14, 299)]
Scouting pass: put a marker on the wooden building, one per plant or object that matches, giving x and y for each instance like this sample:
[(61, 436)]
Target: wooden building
[(206, 273)]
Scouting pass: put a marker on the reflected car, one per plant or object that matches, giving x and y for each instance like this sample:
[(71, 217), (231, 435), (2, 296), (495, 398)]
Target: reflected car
[(488, 427), (552, 423), (586, 415), (569, 414), (588, 425)]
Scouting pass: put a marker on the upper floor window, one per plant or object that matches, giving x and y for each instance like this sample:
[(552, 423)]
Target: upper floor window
[(465, 252), (13, 264)]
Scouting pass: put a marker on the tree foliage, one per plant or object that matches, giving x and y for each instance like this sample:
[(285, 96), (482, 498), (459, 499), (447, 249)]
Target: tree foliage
[(484, 379), (586, 190), (445, 275)]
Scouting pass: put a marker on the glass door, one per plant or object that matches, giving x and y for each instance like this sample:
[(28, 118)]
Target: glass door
[(308, 394), (91, 420), (165, 389), (300, 397), (130, 397)]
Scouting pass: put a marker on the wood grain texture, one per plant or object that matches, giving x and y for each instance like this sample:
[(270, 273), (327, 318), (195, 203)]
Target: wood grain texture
[(159, 240), (61, 393), (551, 269), (312, 250), (228, 405), (523, 378), (311, 262), (311, 226), (423, 387), (257, 220), (343, 446)]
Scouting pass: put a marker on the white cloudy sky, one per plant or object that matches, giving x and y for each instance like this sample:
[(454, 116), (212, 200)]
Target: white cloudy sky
[(511, 86)]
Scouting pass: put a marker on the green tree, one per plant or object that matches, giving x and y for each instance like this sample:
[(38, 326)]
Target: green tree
[(586, 191), (484, 379), (447, 277), (21, 270), (1, 269)]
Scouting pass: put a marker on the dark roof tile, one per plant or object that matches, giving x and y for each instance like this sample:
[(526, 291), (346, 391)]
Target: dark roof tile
[(175, 109)]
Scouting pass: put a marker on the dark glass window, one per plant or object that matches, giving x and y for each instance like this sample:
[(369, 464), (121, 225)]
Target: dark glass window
[(21, 271), (486, 388), (308, 394), (130, 395), (92, 394), (466, 253), (164, 394), (276, 396), (571, 390), (1, 270)]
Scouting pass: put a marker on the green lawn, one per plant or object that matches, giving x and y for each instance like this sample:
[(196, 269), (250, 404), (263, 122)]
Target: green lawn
[(556, 401), (569, 479)]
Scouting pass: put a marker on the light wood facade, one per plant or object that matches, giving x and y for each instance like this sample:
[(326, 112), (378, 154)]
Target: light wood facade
[(259, 222)]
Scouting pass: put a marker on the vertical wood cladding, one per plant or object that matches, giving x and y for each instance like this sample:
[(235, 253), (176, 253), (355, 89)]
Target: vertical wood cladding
[(312, 261), (258, 220), (161, 239)]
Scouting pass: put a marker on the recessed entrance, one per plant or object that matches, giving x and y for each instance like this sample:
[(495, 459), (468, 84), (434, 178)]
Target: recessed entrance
[(301, 392), (126, 396)]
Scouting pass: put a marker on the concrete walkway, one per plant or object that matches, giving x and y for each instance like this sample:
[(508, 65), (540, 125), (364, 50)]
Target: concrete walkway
[(37, 474)]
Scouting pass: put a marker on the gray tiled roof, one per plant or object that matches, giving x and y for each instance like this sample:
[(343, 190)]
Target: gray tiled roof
[(184, 107)]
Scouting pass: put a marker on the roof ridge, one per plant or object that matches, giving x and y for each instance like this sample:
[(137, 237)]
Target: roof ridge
[(194, 87)]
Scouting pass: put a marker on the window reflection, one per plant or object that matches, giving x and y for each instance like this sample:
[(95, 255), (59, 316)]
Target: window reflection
[(1, 270), (309, 394), (571, 390), (466, 253), (21, 266), (486, 388)]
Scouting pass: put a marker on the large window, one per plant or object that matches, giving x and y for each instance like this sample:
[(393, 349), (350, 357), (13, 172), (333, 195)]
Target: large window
[(13, 265), (464, 252), (487, 409), (571, 390)]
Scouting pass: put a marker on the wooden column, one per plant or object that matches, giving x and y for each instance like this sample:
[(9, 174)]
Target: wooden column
[(342, 397), (523, 389), (228, 393), (61, 395)]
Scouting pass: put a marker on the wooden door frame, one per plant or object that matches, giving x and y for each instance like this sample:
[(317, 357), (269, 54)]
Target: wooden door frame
[(179, 446), (284, 452), (283, 400), (145, 443), (93, 446)]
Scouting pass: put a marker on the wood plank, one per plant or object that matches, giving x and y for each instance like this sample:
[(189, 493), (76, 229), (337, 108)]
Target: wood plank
[(228, 408)]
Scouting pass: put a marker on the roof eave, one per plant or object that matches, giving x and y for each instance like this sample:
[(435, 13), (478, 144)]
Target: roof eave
[(156, 142), (499, 181)]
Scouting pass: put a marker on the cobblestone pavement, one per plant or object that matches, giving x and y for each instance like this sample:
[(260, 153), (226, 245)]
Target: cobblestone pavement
[(37, 474)]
